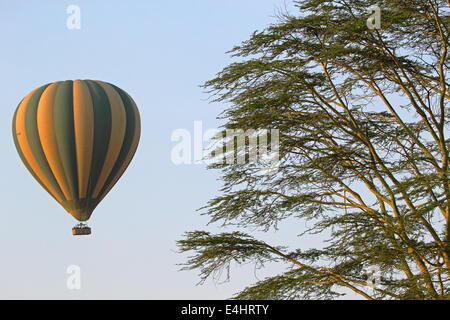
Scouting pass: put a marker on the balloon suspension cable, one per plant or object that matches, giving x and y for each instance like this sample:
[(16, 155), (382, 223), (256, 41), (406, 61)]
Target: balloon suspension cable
[(81, 225)]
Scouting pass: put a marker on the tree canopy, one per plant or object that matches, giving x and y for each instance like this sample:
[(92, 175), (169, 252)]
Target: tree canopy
[(363, 119)]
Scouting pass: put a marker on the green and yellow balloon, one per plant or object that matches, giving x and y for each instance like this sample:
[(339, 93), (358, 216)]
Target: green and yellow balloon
[(77, 138)]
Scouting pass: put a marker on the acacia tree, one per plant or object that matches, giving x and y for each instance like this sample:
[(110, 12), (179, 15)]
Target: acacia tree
[(363, 116)]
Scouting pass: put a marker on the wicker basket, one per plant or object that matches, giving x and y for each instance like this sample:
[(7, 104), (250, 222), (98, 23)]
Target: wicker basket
[(77, 231)]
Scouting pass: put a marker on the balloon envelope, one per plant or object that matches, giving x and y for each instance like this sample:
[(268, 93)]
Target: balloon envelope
[(77, 138)]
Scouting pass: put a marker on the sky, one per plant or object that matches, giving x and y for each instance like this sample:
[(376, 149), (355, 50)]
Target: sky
[(160, 52)]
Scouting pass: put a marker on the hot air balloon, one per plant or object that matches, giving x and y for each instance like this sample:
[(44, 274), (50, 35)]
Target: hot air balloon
[(77, 138)]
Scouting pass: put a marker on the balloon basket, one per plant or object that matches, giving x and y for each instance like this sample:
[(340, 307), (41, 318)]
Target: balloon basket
[(81, 229)]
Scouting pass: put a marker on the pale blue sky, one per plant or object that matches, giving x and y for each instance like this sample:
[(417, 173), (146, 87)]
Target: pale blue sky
[(159, 52)]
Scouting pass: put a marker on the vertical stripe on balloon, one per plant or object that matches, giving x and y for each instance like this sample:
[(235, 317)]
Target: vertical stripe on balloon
[(32, 137), (130, 144), (47, 135), (118, 124), (24, 150), (83, 115), (63, 123), (102, 131)]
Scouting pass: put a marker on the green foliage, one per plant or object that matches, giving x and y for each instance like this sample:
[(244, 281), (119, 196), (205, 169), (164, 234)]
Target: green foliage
[(363, 117)]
